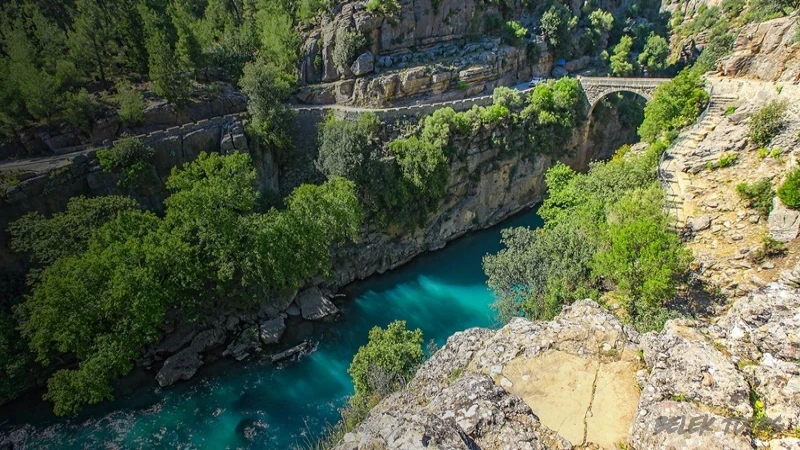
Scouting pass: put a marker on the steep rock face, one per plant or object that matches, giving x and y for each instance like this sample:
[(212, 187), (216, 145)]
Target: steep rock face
[(766, 51), (422, 49), (491, 388), (47, 184)]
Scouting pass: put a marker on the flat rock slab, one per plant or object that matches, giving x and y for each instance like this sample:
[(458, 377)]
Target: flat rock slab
[(582, 400), (313, 305)]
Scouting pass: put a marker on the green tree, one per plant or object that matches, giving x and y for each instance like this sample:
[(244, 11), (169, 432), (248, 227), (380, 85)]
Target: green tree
[(131, 104), (654, 56), (279, 42), (554, 110), (169, 81), (675, 104), (385, 8), (267, 87), (80, 109), (188, 49), (620, 59), (66, 233), (389, 359), (102, 306), (556, 25), (128, 157), (345, 147), (643, 257), (424, 166)]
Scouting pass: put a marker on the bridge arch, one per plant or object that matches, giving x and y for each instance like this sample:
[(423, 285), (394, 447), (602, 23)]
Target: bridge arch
[(598, 87)]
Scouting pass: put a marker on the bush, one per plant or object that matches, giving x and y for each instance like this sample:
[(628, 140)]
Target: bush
[(79, 109), (757, 195), (789, 191), (554, 110), (348, 45), (131, 105), (389, 359), (383, 7), (727, 160), (675, 104), (556, 24), (129, 157), (345, 147), (514, 32), (767, 122)]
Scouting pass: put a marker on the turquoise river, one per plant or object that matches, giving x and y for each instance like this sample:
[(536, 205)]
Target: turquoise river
[(256, 405)]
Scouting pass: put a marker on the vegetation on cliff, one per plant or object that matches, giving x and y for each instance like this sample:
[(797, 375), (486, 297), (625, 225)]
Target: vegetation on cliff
[(405, 181), (603, 229), (104, 291)]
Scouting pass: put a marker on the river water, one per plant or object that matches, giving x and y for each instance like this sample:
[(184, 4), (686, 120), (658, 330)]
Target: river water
[(256, 405)]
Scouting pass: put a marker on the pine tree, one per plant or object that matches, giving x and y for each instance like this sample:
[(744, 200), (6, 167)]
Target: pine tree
[(168, 79), (188, 49)]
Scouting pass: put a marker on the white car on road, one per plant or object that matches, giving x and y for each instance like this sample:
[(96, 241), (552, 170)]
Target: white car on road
[(536, 80)]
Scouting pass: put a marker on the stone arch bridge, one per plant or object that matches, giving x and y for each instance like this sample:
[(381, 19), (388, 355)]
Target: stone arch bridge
[(598, 87)]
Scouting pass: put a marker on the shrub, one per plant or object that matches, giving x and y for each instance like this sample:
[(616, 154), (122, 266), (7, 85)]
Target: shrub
[(556, 24), (348, 44), (80, 108), (675, 104), (727, 159), (131, 105), (757, 195), (514, 32), (129, 157), (389, 359), (767, 122), (383, 7), (789, 191), (345, 146), (730, 110)]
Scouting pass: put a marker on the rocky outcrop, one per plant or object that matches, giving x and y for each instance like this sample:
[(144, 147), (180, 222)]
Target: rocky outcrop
[(484, 389), (572, 383), (421, 50), (313, 305), (184, 364), (765, 51), (783, 222)]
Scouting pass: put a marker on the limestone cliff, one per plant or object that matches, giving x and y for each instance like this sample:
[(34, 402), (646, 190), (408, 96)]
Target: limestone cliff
[(584, 380), (766, 51)]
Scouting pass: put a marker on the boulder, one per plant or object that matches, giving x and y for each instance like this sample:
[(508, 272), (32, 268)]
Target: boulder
[(559, 72), (578, 64), (313, 305), (246, 344), (701, 223), (363, 65), (178, 339), (783, 222), (208, 339), (271, 331), (299, 349), (181, 366)]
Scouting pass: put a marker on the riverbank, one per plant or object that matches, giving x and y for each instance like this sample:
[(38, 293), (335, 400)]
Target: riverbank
[(258, 405)]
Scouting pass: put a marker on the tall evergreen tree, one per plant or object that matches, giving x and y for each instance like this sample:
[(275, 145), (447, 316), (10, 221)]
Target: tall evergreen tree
[(168, 79)]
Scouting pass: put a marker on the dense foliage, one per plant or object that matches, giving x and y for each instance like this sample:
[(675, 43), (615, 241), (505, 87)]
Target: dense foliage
[(789, 191), (129, 157), (105, 289), (389, 359), (405, 181), (602, 229), (675, 104), (59, 58)]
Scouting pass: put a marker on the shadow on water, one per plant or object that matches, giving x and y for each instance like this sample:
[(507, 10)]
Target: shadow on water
[(256, 405)]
